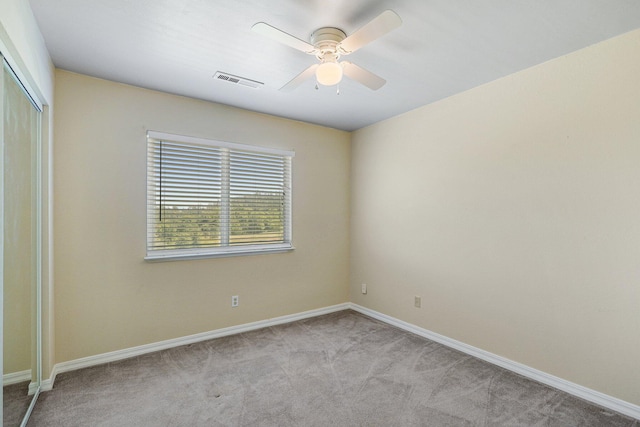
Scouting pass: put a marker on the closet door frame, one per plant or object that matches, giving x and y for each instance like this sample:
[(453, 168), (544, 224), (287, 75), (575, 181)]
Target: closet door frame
[(7, 65)]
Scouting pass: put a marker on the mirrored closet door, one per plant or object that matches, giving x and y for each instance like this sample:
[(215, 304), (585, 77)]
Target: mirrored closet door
[(20, 249)]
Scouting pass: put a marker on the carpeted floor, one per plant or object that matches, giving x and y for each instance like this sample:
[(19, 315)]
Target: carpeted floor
[(342, 369), (15, 403)]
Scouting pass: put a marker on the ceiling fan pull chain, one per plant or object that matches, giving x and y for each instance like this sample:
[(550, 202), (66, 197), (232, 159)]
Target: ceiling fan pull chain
[(338, 89), (317, 86)]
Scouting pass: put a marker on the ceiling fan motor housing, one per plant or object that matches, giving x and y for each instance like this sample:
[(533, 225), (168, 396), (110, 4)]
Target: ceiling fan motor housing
[(326, 41)]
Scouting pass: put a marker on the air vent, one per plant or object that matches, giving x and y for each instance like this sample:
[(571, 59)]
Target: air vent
[(219, 75)]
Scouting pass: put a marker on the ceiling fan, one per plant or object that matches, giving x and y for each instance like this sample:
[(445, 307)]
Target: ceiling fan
[(328, 44)]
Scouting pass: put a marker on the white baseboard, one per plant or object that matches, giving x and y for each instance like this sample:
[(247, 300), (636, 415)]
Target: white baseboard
[(113, 356), (47, 384), (33, 387), (19, 377), (16, 377), (582, 392)]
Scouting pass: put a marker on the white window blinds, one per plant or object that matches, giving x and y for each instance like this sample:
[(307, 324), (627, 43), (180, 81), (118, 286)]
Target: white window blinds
[(208, 198)]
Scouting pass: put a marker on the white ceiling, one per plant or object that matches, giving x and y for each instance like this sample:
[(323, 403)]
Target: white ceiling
[(442, 48)]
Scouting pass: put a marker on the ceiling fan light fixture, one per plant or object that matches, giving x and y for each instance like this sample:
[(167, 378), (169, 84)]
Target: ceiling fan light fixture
[(329, 73)]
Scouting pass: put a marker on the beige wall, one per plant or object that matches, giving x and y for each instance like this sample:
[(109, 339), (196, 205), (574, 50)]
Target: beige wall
[(107, 297), (513, 211)]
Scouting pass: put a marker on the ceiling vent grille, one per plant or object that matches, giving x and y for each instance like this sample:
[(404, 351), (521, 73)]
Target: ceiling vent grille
[(219, 75)]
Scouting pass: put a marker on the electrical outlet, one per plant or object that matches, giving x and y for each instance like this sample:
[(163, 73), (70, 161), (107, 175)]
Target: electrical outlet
[(235, 300), (364, 288), (417, 301)]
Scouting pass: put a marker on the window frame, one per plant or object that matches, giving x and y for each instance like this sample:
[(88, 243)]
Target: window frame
[(218, 251)]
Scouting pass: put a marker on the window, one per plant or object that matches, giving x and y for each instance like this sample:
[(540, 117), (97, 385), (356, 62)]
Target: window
[(209, 198)]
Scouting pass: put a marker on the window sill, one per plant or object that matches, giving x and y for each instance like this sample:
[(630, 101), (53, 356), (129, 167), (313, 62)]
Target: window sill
[(184, 255)]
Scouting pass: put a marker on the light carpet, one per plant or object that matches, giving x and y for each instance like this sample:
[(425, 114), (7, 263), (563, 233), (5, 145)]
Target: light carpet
[(15, 403), (341, 369)]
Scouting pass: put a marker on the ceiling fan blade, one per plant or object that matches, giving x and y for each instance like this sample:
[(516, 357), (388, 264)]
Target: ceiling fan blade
[(377, 27), (362, 76), (300, 78), (282, 37)]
